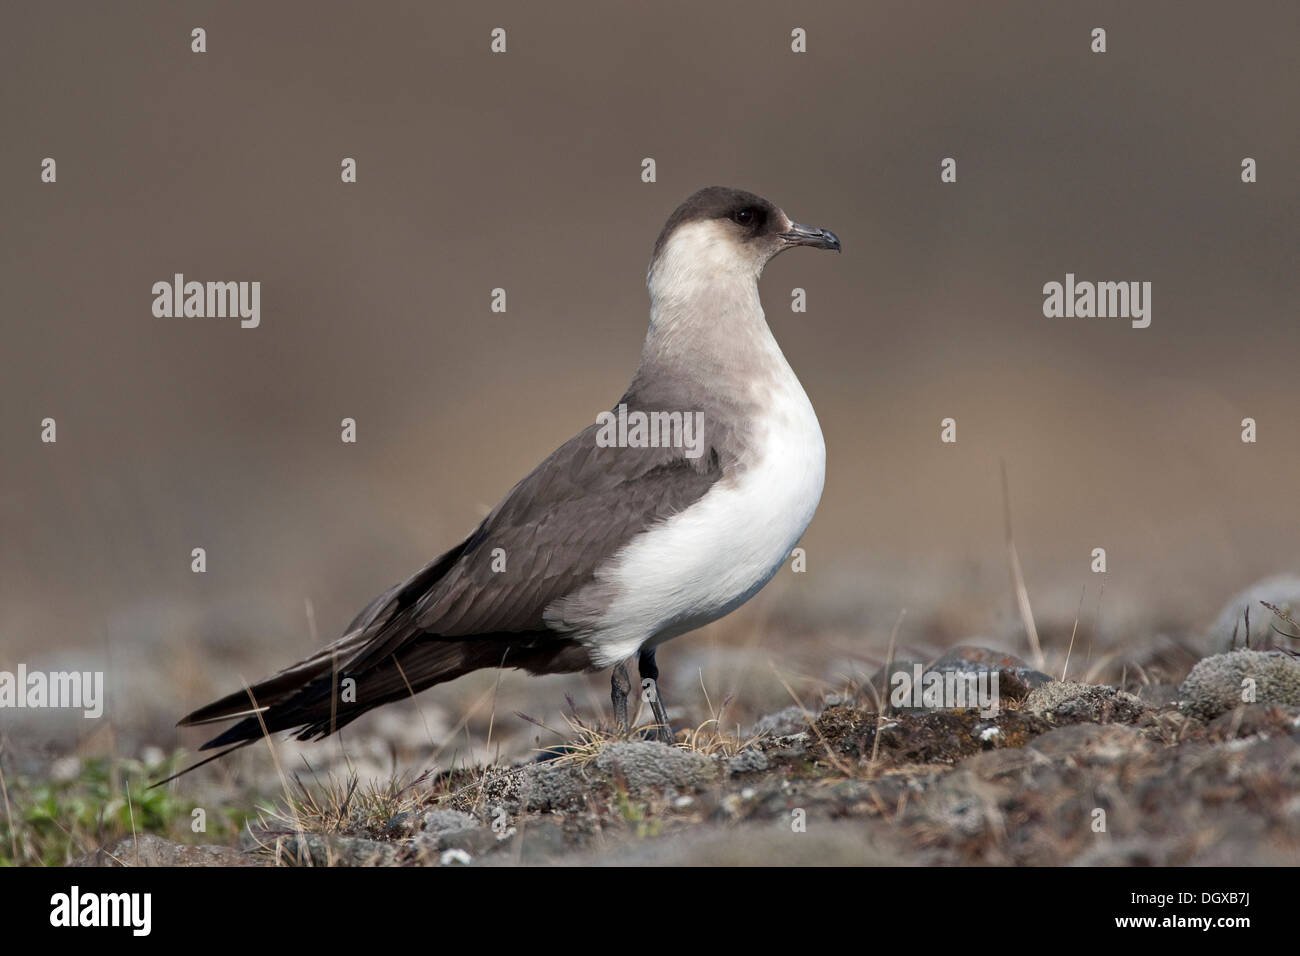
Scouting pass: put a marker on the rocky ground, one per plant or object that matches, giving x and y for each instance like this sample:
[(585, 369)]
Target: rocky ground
[(1206, 771)]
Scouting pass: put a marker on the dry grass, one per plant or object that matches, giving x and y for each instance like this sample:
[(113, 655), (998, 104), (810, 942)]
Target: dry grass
[(343, 805)]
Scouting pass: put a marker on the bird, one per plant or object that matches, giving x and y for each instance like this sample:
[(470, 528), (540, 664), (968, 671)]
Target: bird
[(617, 542)]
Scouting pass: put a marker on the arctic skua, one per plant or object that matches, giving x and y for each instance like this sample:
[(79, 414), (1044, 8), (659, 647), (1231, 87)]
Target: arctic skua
[(625, 536)]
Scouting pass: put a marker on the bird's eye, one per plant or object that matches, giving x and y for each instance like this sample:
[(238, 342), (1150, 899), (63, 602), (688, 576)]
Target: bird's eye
[(744, 216)]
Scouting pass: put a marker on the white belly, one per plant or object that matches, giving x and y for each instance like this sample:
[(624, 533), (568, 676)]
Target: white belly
[(711, 558)]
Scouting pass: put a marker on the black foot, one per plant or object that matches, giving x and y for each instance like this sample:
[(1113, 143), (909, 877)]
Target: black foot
[(650, 694)]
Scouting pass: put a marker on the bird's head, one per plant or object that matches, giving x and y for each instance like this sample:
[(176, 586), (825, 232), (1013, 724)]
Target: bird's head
[(726, 232)]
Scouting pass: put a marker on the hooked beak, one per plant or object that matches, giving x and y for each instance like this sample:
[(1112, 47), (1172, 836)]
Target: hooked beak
[(800, 235)]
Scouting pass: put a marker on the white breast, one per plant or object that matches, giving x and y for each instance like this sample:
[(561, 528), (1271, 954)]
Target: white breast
[(709, 559)]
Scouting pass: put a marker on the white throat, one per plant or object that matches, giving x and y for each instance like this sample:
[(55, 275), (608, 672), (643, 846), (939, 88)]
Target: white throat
[(705, 310)]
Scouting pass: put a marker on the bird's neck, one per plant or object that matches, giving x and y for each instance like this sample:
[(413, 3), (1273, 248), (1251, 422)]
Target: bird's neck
[(707, 327)]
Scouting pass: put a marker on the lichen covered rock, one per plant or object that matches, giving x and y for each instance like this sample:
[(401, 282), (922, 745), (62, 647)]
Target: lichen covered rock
[(1224, 681)]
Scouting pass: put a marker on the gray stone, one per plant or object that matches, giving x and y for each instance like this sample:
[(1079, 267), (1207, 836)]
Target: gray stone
[(1215, 685), (1070, 702), (749, 760), (150, 850), (656, 766), (557, 785)]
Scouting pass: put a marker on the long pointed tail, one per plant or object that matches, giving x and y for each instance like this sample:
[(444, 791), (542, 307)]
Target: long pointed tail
[(318, 696)]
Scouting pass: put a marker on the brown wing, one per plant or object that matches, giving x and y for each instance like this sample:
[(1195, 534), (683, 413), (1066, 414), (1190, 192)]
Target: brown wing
[(463, 611), (551, 532)]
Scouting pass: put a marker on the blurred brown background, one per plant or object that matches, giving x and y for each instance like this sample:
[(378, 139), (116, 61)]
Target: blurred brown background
[(522, 171)]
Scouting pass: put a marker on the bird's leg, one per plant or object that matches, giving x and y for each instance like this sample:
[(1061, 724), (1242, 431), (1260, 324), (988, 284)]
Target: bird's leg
[(619, 685), (650, 694)]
